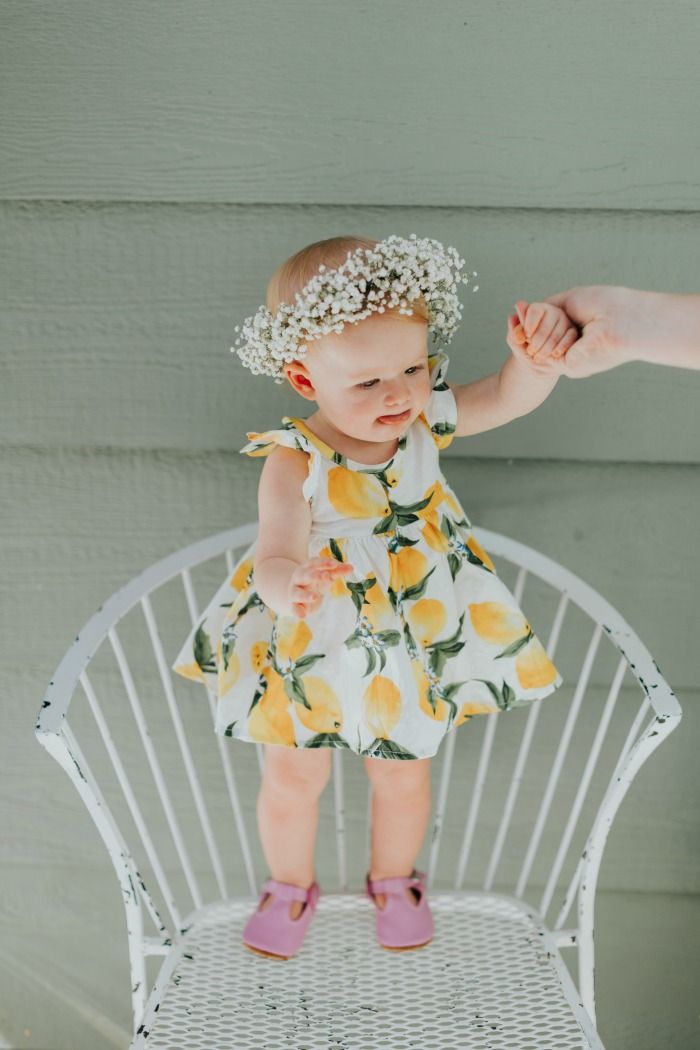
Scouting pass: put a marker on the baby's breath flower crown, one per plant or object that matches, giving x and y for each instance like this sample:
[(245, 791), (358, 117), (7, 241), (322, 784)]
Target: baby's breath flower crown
[(393, 273)]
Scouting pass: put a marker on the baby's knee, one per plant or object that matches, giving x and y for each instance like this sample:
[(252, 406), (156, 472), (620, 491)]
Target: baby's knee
[(298, 770)]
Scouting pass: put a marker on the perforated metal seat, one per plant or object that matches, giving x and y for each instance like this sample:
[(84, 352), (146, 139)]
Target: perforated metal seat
[(533, 810), (493, 977)]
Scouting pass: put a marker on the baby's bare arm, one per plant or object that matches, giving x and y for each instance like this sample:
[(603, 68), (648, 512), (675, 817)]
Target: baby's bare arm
[(286, 579), (284, 521), (479, 406), (526, 379)]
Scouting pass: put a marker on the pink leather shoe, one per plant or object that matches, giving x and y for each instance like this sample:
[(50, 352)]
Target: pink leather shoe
[(273, 932), (403, 922)]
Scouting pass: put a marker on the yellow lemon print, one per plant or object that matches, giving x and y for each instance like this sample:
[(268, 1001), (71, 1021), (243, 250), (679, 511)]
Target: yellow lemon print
[(338, 588), (435, 494), (407, 567), (498, 623), (442, 440), (393, 476), (453, 504), (270, 721), (474, 707), (427, 619), (476, 548), (264, 437), (423, 685), (239, 577), (293, 636), (258, 655), (325, 715), (533, 667), (432, 533), (377, 607), (382, 704), (434, 536), (356, 495), (192, 671)]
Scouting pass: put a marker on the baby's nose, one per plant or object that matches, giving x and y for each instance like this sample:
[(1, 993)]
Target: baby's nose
[(397, 394)]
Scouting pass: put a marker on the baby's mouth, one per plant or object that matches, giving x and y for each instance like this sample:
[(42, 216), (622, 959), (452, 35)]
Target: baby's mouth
[(396, 417)]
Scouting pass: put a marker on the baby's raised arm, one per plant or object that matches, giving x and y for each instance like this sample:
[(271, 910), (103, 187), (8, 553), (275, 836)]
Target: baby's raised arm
[(287, 580), (528, 376)]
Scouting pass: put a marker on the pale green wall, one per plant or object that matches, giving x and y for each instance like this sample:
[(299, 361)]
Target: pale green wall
[(157, 162)]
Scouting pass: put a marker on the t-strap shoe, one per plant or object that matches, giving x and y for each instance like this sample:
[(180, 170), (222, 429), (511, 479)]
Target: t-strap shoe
[(405, 921), (272, 932)]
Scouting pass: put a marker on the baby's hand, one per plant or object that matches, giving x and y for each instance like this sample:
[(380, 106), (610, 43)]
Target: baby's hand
[(309, 582), (540, 334)]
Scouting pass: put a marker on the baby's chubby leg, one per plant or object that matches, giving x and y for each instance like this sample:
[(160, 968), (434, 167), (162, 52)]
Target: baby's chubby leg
[(400, 814), (287, 808)]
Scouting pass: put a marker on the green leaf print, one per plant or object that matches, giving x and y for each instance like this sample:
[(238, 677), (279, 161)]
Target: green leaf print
[(373, 642), (359, 590), (259, 693), (446, 527), (294, 688), (385, 525), (400, 514), (504, 697), (411, 644), (326, 740), (454, 563), (336, 551), (401, 541), (449, 691), (353, 641), (386, 749), (254, 601), (418, 589), (515, 646), (305, 662), (446, 647), (441, 429), (371, 661), (202, 650)]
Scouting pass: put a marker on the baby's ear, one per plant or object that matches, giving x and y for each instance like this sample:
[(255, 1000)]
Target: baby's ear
[(300, 379)]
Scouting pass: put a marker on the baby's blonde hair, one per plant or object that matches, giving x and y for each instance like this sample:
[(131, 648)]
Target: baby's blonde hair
[(296, 271)]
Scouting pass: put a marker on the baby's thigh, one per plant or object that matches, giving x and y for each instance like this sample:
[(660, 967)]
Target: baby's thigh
[(397, 774), (298, 768)]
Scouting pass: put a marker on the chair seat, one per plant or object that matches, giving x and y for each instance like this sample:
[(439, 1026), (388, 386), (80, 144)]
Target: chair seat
[(491, 978)]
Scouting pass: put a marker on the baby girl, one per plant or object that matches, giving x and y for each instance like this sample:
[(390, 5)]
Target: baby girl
[(366, 615)]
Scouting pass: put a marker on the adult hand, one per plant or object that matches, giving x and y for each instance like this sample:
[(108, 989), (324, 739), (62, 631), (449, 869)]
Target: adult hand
[(621, 324)]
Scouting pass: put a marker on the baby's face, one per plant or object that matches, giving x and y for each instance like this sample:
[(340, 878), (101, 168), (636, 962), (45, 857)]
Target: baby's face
[(371, 380)]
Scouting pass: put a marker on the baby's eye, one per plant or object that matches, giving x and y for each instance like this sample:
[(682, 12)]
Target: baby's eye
[(370, 382)]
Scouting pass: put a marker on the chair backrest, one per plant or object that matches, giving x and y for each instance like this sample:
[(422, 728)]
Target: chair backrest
[(523, 800)]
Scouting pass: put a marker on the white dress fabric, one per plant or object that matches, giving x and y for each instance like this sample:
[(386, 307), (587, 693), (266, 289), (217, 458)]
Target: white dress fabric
[(418, 638)]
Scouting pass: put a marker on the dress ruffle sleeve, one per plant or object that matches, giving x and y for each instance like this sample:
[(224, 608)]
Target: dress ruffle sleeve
[(440, 412), (263, 442)]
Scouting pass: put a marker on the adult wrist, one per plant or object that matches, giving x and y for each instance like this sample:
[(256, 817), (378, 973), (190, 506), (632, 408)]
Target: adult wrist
[(664, 329)]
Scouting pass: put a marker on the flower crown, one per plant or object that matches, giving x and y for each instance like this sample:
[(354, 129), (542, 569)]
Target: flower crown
[(392, 273)]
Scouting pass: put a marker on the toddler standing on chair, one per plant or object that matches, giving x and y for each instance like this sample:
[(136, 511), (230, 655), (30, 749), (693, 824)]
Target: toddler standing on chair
[(366, 615)]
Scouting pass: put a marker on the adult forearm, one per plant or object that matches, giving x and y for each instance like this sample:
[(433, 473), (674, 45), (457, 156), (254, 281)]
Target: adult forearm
[(272, 576), (521, 387), (670, 333)]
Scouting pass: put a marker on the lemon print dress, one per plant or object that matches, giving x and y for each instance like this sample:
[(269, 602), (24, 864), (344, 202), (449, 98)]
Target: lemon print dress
[(417, 639)]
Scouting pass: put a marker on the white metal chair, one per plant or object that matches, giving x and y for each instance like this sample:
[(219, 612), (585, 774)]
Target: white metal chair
[(533, 810)]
